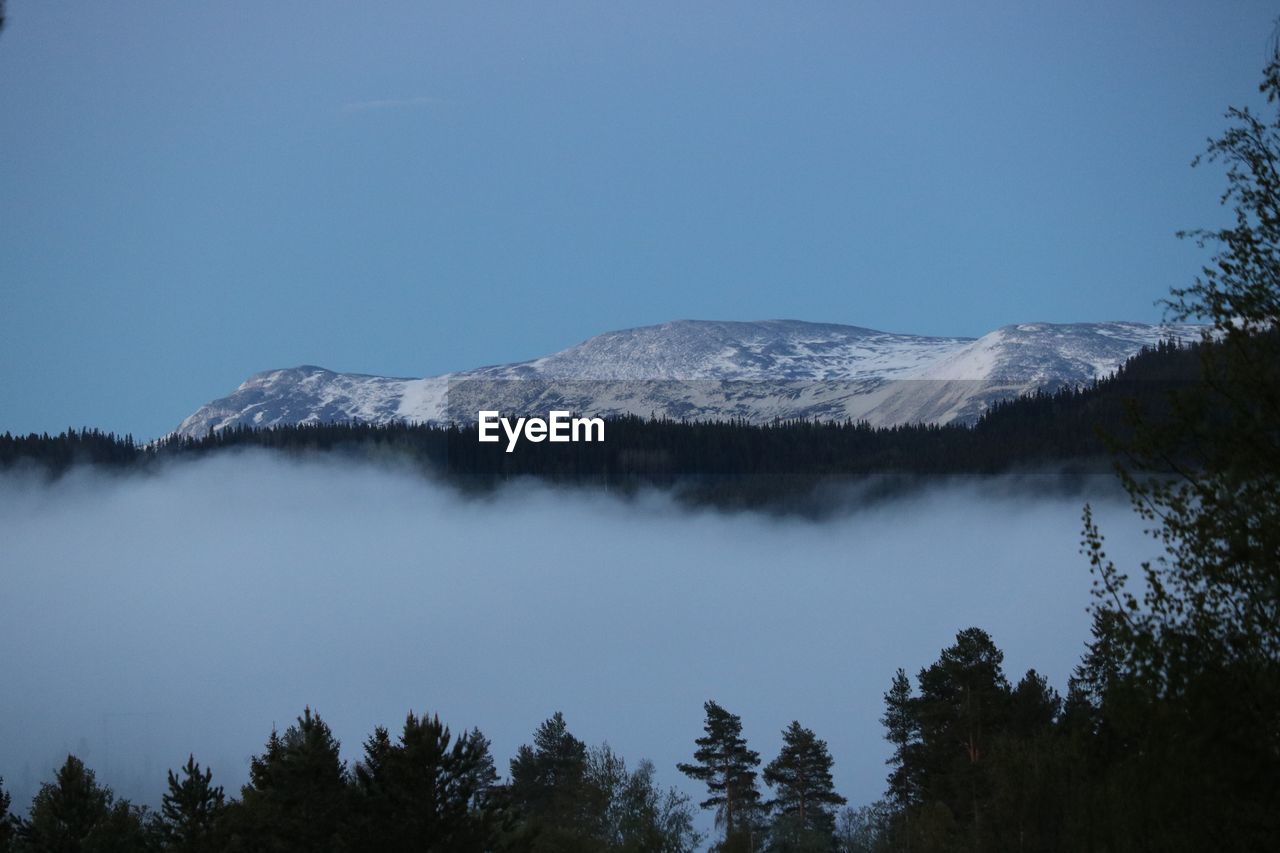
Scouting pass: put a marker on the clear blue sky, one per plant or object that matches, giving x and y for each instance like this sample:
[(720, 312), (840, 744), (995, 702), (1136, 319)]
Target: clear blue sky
[(191, 192)]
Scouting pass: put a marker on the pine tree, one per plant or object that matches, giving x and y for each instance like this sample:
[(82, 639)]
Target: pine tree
[(727, 766), (963, 705), (903, 731), (551, 769), (1034, 706), (75, 813), (126, 829), (429, 791), (191, 810), (297, 796), (1030, 769), (547, 787), (806, 796), (64, 812)]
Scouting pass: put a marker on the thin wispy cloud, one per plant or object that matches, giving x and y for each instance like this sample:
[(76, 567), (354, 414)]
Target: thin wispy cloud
[(391, 104)]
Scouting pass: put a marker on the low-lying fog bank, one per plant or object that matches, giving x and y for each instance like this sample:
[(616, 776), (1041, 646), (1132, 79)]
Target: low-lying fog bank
[(146, 617)]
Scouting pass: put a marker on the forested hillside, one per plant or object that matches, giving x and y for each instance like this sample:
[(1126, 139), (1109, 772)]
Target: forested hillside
[(723, 463)]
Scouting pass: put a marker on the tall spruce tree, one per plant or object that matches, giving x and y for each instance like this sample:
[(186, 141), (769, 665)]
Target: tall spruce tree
[(903, 731), (428, 791), (806, 797), (74, 813), (191, 811), (65, 811), (1034, 706), (548, 788), (297, 797), (1030, 770), (727, 767)]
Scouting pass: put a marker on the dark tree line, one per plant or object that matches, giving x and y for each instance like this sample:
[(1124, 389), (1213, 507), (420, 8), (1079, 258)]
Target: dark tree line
[(979, 762), (426, 789)]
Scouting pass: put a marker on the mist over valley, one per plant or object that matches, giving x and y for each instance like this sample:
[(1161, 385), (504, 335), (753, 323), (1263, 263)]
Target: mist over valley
[(152, 615)]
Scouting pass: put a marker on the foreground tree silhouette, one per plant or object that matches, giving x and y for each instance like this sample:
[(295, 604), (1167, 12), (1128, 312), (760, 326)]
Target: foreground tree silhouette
[(901, 730), (806, 796), (566, 797), (548, 788), (1194, 705), (428, 791), (727, 766), (297, 797), (74, 813), (191, 811), (1214, 595), (963, 706), (66, 810)]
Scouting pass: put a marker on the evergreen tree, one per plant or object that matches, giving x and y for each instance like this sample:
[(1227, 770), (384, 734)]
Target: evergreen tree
[(963, 705), (903, 731), (191, 811), (427, 792), (806, 796), (1034, 706), (727, 767), (65, 811), (126, 829), (547, 788), (297, 797), (74, 813), (1030, 771), (1098, 672)]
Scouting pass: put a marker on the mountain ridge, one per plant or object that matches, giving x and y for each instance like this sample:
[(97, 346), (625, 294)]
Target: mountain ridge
[(760, 371)]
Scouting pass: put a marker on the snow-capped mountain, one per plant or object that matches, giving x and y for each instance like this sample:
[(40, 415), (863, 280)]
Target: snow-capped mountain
[(697, 369)]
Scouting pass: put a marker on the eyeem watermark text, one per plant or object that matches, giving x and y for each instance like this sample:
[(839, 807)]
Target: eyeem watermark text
[(557, 427)]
